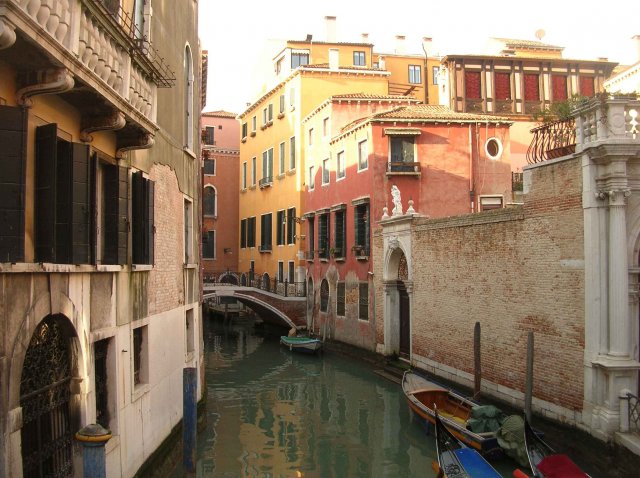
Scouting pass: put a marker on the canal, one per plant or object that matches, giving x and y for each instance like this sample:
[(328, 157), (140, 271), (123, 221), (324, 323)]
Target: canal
[(272, 413)]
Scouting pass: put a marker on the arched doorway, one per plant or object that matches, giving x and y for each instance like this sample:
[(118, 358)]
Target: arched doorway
[(403, 309), (398, 288), (45, 400)]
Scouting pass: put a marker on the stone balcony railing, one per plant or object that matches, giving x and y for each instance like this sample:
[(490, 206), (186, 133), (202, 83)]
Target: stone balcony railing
[(101, 47)]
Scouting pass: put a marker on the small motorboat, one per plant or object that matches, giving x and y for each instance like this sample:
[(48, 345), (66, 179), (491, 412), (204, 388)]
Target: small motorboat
[(301, 344), (544, 461), (455, 459), (454, 410)]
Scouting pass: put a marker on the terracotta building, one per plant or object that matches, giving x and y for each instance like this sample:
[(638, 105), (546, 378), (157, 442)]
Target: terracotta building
[(99, 187), (221, 168)]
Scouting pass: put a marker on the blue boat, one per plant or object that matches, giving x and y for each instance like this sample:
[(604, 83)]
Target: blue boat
[(301, 344)]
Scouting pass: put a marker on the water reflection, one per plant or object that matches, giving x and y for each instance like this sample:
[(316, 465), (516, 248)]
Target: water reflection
[(271, 413)]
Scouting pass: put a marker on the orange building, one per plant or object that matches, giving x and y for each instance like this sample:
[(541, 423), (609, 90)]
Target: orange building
[(220, 173)]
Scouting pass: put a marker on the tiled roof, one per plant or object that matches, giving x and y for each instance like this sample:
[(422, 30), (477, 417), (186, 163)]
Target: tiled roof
[(434, 112), (366, 96), (326, 66), (331, 43), (219, 114), (514, 43)]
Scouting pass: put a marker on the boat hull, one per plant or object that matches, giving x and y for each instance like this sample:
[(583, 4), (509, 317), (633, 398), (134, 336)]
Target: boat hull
[(302, 345)]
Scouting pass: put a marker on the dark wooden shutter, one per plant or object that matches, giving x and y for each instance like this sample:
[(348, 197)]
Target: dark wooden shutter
[(81, 207), (150, 222), (12, 182), (503, 86), (587, 86), (559, 87), (472, 85), (110, 213), (137, 217), (45, 192), (531, 87), (63, 241)]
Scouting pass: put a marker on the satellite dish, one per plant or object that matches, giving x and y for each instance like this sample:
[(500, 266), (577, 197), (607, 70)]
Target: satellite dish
[(540, 34)]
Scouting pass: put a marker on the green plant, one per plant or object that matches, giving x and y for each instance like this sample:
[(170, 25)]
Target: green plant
[(561, 110)]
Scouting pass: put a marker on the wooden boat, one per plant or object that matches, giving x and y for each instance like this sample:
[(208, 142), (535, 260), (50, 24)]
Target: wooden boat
[(454, 412), (545, 462), (301, 344), (455, 459)]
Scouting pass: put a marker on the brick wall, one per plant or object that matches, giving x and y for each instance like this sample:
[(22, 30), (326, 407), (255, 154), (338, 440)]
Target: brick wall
[(513, 270)]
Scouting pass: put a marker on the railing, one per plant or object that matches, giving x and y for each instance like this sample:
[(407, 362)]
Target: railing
[(403, 167), (633, 412), (503, 106), (516, 181), (257, 281), (552, 140)]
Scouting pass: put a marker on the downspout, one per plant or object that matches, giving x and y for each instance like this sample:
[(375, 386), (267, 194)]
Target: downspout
[(471, 193)]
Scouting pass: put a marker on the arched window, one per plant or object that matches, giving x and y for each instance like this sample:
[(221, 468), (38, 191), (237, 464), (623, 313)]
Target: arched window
[(209, 202), (188, 119), (324, 295)]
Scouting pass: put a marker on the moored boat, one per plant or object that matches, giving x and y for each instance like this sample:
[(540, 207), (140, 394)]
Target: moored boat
[(301, 344), (455, 459), (545, 462), (454, 411)]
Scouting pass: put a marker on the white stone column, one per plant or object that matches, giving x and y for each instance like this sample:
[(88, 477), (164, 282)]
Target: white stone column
[(618, 275)]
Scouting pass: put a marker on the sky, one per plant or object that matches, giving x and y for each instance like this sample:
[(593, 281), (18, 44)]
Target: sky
[(239, 33)]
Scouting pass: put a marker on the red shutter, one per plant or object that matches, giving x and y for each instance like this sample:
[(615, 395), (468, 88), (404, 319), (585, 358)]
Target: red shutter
[(559, 87), (503, 86), (472, 85), (531, 87), (587, 87)]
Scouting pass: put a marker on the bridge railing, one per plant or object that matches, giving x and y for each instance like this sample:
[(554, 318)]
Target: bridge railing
[(254, 279)]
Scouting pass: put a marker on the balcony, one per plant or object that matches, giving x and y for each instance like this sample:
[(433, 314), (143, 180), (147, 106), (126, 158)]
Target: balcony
[(402, 167), (503, 107), (265, 182), (552, 140), (474, 106)]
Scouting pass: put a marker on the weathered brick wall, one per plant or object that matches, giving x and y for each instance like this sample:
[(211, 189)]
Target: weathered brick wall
[(513, 270)]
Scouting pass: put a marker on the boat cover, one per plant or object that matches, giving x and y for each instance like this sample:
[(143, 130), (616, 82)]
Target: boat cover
[(475, 465), (511, 439), (560, 466), (485, 418)]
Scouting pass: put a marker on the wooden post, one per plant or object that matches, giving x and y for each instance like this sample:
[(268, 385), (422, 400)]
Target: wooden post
[(189, 418), (477, 366), (528, 391)]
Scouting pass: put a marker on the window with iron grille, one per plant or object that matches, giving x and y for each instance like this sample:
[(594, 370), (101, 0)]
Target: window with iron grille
[(359, 58), (531, 87), (280, 228), (265, 232), (323, 236), (210, 167), (209, 202), (340, 299), (415, 74), (324, 295), (291, 225), (340, 239), (100, 353), (243, 233), (362, 229), (209, 245), (363, 309), (472, 85)]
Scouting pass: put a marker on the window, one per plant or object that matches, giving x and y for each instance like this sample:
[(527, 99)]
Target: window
[(325, 171), (101, 368), (361, 246), (280, 271), (402, 149), (587, 86), (269, 113), (244, 130), (279, 65), (291, 225), (310, 136), (558, 87), (325, 127), (472, 88), (299, 59), (142, 211), (324, 295), (323, 236), (188, 232), (493, 148), (267, 166), (282, 101), (254, 172), (251, 232), (415, 74), (359, 58), (111, 212), (244, 175), (340, 171), (340, 235), (265, 232), (363, 309), (190, 331), (264, 117), (531, 87), (280, 228), (209, 135), (292, 97), (311, 178), (292, 275), (490, 202), (113, 6), (141, 27), (502, 86), (340, 293), (188, 115), (254, 124), (282, 159), (209, 245), (140, 356), (435, 72), (209, 202), (243, 233), (210, 167), (292, 153), (363, 155), (311, 235)]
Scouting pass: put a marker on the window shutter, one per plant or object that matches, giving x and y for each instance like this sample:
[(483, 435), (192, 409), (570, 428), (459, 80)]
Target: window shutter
[(123, 214), (137, 216), (12, 183), (531, 87), (587, 87), (45, 192), (472, 85), (110, 231), (503, 86), (150, 221), (559, 87), (81, 216)]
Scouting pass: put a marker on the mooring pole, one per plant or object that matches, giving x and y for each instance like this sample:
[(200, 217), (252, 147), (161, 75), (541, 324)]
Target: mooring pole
[(528, 392), (189, 418), (477, 366), (93, 438)]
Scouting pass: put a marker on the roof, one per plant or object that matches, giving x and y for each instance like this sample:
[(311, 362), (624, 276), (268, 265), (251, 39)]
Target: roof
[(314, 42), (367, 96), (219, 114), (530, 59), (352, 67), (538, 45), (435, 113)]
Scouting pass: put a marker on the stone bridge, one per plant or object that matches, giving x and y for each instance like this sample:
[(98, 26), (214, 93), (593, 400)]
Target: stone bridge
[(273, 308)]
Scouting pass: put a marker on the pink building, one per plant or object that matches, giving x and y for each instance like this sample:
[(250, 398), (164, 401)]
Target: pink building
[(443, 163), (221, 167)]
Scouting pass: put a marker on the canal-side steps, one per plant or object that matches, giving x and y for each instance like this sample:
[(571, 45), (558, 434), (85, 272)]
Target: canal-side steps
[(393, 370)]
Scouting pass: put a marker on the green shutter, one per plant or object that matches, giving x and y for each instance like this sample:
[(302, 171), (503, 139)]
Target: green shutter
[(45, 192)]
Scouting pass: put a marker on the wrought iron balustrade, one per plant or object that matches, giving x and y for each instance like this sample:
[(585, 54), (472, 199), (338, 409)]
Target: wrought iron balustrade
[(633, 413), (552, 140)]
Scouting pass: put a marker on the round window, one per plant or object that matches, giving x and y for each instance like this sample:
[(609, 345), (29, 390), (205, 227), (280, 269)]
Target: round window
[(493, 148)]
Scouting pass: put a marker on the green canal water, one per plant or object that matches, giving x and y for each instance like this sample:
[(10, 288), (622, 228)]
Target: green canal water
[(273, 413)]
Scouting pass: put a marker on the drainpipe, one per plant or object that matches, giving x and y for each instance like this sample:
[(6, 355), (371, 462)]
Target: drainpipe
[(471, 194)]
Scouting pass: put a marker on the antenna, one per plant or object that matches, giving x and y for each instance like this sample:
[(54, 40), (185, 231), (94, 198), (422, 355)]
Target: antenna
[(540, 33)]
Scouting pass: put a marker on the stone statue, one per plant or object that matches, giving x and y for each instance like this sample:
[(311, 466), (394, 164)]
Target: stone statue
[(397, 202)]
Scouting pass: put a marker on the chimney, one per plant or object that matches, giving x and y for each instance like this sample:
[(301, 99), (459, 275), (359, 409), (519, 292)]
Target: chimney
[(330, 23), (426, 46), (400, 44), (381, 63), (365, 37), (603, 58), (334, 59)]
